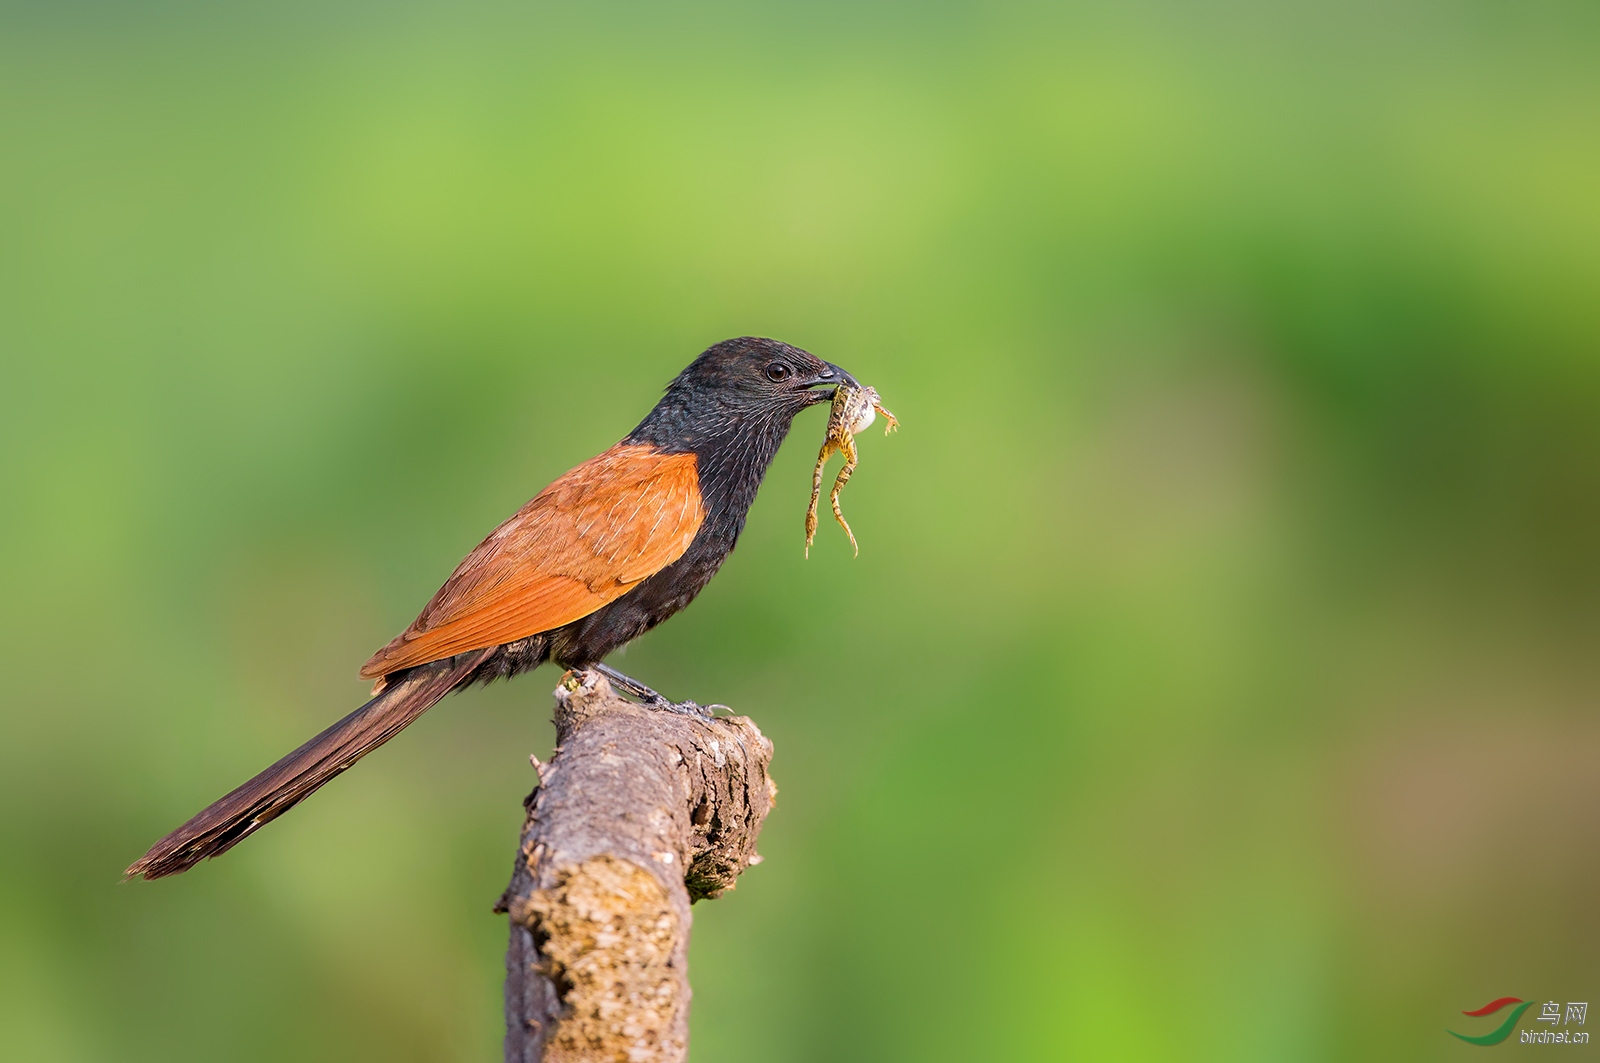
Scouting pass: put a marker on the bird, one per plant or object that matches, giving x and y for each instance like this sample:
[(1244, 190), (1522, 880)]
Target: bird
[(603, 554)]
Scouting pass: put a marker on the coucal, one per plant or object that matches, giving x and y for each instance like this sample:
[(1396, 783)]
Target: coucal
[(604, 554)]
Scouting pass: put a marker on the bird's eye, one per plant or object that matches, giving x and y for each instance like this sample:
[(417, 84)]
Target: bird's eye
[(777, 372)]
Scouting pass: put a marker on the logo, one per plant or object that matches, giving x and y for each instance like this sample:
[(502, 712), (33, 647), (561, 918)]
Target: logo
[(1551, 1012)]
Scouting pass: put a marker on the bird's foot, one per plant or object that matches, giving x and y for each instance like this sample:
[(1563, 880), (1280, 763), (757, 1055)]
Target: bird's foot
[(652, 700)]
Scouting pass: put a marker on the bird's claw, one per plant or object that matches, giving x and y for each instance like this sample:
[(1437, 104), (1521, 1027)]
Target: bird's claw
[(682, 708), (652, 700), (687, 708)]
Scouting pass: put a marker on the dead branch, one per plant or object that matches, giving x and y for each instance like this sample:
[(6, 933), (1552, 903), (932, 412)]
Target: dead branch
[(639, 814)]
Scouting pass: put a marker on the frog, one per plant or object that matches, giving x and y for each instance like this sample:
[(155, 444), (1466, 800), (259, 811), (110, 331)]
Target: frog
[(854, 411)]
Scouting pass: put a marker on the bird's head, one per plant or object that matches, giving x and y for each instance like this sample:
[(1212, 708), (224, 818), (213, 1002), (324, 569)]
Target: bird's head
[(732, 408), (760, 373), (739, 394)]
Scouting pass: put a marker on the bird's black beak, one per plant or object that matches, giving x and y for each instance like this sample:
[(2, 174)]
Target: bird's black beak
[(830, 376)]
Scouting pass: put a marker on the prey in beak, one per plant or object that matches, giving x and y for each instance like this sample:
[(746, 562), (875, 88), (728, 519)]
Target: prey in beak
[(854, 409)]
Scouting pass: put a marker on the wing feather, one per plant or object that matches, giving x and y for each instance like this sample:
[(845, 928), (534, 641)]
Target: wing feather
[(565, 554)]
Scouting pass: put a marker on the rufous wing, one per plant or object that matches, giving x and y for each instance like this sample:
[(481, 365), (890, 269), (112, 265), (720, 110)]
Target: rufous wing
[(582, 542)]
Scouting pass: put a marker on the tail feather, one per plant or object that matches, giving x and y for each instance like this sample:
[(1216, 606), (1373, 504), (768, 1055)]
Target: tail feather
[(225, 823)]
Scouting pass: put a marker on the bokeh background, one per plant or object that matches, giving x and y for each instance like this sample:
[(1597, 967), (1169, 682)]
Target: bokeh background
[(1218, 677)]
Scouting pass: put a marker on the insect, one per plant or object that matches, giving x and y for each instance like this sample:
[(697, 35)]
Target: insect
[(854, 410)]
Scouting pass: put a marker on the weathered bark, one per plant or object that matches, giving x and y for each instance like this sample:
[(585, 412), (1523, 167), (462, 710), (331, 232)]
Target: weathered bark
[(639, 814)]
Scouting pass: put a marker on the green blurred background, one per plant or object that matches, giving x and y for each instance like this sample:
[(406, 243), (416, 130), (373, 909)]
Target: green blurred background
[(1217, 678)]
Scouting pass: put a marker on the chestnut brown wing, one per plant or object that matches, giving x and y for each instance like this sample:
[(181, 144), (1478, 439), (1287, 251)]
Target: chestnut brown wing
[(582, 542)]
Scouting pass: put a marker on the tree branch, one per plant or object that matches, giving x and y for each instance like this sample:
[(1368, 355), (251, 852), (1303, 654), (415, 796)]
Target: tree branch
[(639, 814)]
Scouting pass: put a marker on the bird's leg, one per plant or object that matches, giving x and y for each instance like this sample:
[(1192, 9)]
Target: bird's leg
[(632, 687), (649, 698)]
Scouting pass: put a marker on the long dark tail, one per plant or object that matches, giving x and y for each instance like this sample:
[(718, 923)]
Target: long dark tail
[(225, 823)]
